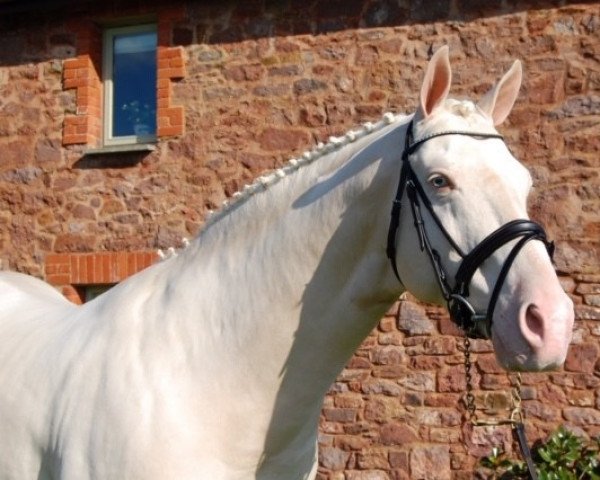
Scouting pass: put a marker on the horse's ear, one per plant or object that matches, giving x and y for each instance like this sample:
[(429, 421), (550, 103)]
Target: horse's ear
[(498, 102), (436, 83)]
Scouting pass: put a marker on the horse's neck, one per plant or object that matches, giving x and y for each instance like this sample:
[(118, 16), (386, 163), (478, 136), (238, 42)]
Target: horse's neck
[(289, 282), (309, 249)]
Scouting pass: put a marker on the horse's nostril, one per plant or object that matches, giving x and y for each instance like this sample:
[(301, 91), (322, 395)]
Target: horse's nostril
[(534, 321)]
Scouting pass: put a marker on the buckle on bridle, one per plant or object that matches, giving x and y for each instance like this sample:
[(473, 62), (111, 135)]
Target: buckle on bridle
[(475, 325)]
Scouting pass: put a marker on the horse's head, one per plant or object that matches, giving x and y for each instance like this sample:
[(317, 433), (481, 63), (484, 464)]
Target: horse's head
[(463, 174)]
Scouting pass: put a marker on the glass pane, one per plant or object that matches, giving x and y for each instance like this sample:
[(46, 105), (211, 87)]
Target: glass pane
[(92, 291), (134, 84)]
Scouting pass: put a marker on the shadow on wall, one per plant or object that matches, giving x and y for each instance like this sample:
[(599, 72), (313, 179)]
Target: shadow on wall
[(230, 21)]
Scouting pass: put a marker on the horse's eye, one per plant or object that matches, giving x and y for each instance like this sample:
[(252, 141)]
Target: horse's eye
[(439, 181)]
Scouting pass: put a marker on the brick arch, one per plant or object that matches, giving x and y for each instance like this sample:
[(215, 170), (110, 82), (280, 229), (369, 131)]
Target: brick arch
[(70, 272)]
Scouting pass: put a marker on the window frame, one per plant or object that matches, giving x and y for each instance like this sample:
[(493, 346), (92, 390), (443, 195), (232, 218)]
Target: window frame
[(108, 85)]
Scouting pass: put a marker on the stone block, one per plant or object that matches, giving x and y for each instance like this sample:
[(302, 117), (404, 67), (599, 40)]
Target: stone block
[(413, 320), (333, 458), (272, 139), (397, 434), (582, 416), (582, 358), (430, 462)]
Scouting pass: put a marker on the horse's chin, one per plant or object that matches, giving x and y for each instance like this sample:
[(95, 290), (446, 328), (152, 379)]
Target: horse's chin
[(524, 360), (529, 364)]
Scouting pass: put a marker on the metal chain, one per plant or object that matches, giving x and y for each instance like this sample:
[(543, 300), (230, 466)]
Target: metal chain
[(469, 397), (515, 419), (516, 415)]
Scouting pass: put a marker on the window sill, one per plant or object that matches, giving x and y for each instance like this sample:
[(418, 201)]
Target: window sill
[(126, 148)]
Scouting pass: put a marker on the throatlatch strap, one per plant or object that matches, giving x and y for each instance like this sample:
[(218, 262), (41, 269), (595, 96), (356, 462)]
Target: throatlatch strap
[(395, 223)]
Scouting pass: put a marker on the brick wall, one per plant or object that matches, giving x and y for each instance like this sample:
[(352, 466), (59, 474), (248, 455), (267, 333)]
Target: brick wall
[(265, 81)]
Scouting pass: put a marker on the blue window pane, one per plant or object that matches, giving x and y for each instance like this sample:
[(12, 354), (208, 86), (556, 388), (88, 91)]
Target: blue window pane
[(134, 84)]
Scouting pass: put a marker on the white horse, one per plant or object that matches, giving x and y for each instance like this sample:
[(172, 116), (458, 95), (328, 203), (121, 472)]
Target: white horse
[(214, 363)]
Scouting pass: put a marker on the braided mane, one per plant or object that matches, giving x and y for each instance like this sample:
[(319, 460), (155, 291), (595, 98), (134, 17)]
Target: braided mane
[(262, 183)]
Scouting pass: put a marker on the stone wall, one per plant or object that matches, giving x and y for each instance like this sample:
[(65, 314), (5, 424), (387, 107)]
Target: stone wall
[(267, 80)]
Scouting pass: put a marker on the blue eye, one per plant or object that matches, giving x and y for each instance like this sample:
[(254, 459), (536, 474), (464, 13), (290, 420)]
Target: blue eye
[(439, 181)]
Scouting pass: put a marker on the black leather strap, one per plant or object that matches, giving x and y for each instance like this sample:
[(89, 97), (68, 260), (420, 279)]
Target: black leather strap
[(519, 429), (395, 223), (498, 238), (509, 261), (479, 325)]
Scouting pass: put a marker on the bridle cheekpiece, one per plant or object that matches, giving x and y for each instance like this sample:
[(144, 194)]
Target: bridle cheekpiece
[(475, 324)]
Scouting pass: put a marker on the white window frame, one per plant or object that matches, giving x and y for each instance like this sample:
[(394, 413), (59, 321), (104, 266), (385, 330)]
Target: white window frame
[(108, 84)]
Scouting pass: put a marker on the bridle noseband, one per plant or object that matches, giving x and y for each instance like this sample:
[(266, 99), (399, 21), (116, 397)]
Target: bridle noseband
[(475, 324)]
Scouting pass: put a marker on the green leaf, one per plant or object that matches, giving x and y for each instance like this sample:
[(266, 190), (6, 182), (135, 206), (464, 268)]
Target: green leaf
[(563, 456)]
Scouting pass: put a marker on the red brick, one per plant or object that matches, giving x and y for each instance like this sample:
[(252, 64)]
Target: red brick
[(176, 62), (132, 267), (174, 52), (105, 261), (170, 131), (72, 294), (74, 138), (76, 120), (58, 279), (74, 269), (163, 121), (98, 276), (82, 264), (90, 269), (69, 130), (163, 83), (164, 91), (76, 63), (176, 72), (75, 83), (51, 269), (58, 258), (152, 257), (84, 73), (176, 116), (122, 265), (69, 73)]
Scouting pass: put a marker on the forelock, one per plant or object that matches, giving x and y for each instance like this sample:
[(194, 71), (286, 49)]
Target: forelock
[(461, 108), (467, 115)]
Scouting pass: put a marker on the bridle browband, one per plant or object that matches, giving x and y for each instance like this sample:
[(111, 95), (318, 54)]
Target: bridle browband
[(475, 324)]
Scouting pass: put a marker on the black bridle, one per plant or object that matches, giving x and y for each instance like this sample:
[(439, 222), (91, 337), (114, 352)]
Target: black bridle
[(475, 324)]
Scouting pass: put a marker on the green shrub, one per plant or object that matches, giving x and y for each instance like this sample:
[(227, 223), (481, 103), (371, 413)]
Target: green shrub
[(563, 456)]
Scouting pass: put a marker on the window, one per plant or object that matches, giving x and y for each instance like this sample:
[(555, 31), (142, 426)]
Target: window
[(129, 76), (89, 292)]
